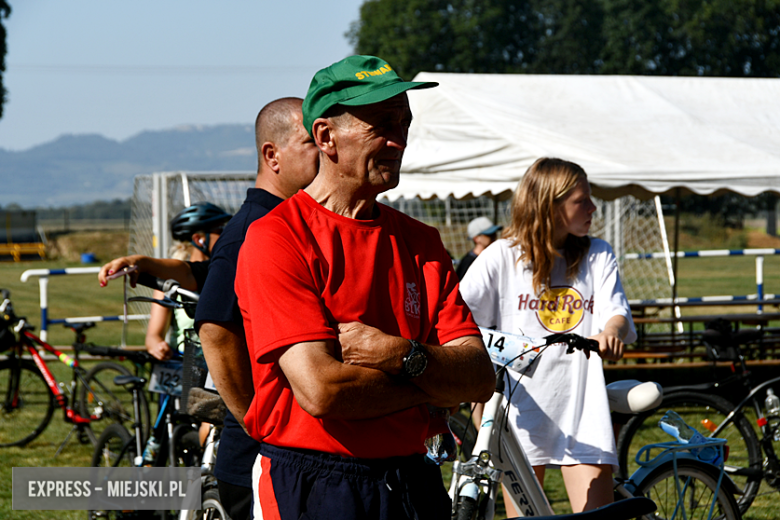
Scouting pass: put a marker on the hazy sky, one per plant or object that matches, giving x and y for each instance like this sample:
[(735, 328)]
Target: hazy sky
[(117, 68)]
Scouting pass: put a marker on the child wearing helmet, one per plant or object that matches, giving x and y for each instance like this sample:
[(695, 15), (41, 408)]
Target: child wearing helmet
[(196, 229)]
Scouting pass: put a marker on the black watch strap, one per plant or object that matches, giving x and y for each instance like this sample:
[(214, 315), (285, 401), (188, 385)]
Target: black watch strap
[(415, 361)]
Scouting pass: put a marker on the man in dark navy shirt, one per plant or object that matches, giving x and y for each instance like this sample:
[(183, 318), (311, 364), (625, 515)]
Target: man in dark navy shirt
[(287, 162)]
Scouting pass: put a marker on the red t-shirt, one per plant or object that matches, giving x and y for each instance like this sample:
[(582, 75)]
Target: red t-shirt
[(304, 269)]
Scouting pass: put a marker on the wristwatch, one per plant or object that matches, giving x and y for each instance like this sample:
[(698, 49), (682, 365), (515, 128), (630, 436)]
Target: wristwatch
[(415, 361)]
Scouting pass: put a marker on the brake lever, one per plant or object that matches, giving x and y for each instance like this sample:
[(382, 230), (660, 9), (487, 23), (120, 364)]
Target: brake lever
[(165, 302), (170, 286), (582, 343), (122, 272), (573, 342)]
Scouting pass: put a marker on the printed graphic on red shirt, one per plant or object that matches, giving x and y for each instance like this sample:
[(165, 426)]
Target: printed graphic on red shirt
[(412, 302), (558, 309)]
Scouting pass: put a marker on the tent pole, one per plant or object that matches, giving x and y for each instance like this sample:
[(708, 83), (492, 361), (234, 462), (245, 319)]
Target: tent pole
[(675, 309)]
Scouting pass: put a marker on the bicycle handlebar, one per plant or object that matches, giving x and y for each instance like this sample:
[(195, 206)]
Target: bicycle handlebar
[(135, 356), (574, 341), (519, 352), (169, 287)]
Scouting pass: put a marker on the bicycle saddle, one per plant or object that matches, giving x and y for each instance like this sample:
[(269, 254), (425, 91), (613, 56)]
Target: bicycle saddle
[(719, 333), (723, 343), (129, 380), (620, 510), (79, 327), (629, 396)]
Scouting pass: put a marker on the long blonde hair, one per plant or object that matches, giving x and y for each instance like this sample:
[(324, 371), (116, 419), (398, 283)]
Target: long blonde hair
[(180, 250), (532, 223)]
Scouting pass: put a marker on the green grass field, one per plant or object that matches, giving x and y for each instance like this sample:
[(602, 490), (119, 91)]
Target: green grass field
[(81, 296), (766, 506), (40, 453), (69, 296)]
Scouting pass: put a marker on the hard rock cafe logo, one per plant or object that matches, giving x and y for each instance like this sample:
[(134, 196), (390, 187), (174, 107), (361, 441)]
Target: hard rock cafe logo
[(558, 309)]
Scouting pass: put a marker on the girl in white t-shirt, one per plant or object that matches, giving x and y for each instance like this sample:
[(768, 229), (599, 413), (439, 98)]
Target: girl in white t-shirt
[(547, 276)]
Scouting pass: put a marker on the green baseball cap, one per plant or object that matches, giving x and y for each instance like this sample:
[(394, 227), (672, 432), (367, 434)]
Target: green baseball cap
[(353, 81)]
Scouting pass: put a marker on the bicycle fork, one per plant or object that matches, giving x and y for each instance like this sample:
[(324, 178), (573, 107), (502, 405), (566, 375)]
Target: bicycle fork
[(475, 483)]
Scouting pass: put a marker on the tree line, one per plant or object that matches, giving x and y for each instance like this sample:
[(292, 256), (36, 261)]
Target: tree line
[(737, 38), (98, 210), (5, 11)]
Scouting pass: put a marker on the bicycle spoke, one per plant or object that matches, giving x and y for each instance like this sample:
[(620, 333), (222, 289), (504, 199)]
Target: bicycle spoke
[(99, 395), (698, 410), (688, 493)]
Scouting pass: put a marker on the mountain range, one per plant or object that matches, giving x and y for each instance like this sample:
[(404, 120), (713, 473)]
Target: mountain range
[(75, 169)]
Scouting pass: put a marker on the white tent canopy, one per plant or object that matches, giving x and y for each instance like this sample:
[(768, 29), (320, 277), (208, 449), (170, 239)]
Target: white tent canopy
[(476, 134)]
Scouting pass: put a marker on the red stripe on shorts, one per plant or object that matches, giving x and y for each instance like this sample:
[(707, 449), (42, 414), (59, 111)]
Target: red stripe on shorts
[(265, 492)]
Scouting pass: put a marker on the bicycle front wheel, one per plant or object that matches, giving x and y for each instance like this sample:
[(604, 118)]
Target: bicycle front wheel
[(27, 402), (212, 506), (187, 448), (99, 395), (465, 434), (688, 493), (115, 449), (744, 460)]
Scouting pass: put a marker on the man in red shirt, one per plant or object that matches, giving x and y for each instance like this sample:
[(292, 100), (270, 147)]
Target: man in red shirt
[(353, 321)]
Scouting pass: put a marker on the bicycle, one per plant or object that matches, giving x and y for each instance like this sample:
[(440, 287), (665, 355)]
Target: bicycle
[(30, 392), (181, 445), (174, 442), (464, 431), (102, 376), (499, 456), (119, 449), (209, 407), (751, 459)]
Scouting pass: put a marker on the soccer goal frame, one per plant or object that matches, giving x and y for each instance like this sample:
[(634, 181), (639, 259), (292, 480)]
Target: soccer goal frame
[(630, 225)]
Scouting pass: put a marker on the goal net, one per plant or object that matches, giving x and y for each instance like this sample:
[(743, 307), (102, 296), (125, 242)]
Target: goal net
[(629, 224)]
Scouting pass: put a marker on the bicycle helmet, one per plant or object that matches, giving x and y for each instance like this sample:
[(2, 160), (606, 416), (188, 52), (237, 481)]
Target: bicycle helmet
[(201, 216)]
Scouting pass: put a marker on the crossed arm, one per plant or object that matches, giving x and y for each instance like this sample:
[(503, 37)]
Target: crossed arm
[(358, 376)]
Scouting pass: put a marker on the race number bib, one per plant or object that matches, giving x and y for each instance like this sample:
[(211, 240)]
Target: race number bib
[(517, 352), (209, 383), (166, 378)]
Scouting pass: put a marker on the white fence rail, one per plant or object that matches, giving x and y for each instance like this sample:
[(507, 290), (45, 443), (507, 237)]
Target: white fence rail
[(43, 291)]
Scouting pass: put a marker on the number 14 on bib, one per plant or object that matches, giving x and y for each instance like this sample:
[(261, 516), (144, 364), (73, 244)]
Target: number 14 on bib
[(517, 352)]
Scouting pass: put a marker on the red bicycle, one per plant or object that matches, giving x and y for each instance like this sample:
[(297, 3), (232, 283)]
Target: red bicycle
[(29, 392)]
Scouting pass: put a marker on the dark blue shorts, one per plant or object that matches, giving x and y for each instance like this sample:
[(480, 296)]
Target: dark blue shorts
[(298, 484)]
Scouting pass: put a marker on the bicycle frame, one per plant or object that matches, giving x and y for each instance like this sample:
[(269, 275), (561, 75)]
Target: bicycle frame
[(29, 340), (498, 454), (497, 451), (771, 468), (499, 457), (772, 465), (168, 410)]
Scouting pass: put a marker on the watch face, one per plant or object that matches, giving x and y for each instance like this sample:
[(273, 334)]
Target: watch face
[(415, 364)]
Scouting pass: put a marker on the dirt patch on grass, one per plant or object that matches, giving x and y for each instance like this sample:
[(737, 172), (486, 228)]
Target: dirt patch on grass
[(104, 244), (759, 239), (701, 233)]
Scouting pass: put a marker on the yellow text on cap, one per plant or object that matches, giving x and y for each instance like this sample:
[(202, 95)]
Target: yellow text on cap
[(363, 74)]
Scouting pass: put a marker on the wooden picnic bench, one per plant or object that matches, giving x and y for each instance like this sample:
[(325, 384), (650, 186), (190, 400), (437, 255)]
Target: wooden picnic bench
[(688, 346)]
